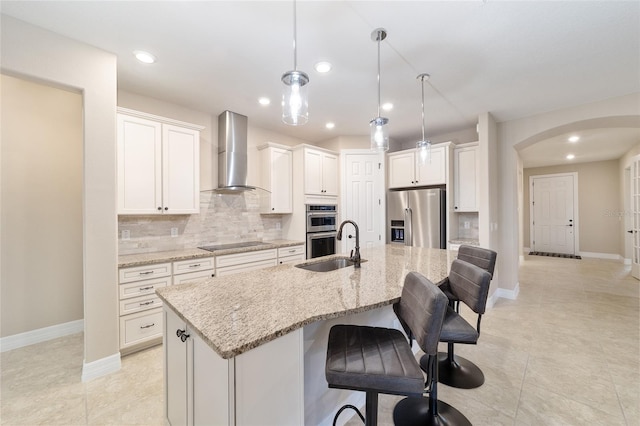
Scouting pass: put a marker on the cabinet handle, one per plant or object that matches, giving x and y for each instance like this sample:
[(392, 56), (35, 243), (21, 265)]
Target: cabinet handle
[(281, 262), (412, 181), (195, 265), (273, 208), (146, 288), (213, 275), (160, 208), (292, 251), (147, 303), (182, 334), (456, 208), (148, 326), (166, 208), (146, 272)]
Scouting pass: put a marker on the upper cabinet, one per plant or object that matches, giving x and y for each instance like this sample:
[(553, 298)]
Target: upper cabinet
[(465, 185), (158, 164), (406, 169), (277, 178), (320, 172)]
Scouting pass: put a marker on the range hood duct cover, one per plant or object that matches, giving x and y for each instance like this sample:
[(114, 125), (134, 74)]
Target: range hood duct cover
[(232, 153)]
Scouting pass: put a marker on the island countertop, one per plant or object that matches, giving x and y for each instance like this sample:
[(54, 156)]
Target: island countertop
[(237, 313)]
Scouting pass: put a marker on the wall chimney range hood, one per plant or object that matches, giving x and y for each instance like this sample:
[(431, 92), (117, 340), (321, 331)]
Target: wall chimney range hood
[(232, 153)]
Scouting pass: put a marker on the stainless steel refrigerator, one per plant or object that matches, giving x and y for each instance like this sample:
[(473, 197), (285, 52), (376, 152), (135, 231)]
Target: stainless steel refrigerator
[(416, 217)]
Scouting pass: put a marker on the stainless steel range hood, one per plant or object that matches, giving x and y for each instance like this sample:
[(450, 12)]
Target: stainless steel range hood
[(232, 153)]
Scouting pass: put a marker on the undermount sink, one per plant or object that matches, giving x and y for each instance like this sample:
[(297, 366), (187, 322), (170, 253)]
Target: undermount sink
[(327, 265)]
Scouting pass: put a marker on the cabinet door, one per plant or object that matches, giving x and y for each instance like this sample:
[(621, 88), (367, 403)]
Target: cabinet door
[(139, 165), (329, 174), (466, 182), (211, 390), (313, 172), (181, 170), (175, 364), (433, 172), (281, 181), (401, 170)]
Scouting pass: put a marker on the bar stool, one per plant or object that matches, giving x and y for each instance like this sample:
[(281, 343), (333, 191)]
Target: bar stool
[(470, 284), (380, 360)]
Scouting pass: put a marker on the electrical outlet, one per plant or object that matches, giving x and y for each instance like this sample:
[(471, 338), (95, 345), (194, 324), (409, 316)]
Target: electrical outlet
[(467, 224), (126, 234), (174, 232), (277, 225)]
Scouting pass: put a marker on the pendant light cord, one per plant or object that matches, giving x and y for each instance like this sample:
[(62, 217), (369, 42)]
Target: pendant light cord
[(379, 37), (295, 54), (422, 82)]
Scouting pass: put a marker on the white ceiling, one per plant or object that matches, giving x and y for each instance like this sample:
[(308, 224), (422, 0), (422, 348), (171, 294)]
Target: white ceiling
[(511, 58)]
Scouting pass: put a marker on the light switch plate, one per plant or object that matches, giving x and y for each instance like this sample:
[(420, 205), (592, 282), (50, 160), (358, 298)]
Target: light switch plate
[(174, 232), (126, 234)]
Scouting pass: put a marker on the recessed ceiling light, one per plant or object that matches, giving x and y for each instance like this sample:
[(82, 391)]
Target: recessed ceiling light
[(323, 66), (264, 101), (574, 139), (330, 125), (145, 57), (570, 156), (388, 106)]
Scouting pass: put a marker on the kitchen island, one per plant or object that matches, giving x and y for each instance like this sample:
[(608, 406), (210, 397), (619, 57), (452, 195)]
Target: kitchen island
[(255, 341)]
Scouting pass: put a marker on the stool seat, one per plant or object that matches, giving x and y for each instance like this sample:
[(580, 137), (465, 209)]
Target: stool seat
[(456, 329), (372, 359)]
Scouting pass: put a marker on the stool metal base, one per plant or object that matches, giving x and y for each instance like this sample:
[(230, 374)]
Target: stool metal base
[(458, 372), (416, 411)]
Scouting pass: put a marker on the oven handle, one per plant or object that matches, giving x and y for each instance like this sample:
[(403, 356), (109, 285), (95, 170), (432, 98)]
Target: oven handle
[(321, 213), (314, 235)]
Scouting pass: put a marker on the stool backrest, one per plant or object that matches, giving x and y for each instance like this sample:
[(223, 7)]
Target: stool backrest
[(422, 308), (470, 284), (482, 257)]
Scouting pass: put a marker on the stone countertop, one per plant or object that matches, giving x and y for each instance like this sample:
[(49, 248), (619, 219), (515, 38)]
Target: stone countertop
[(130, 260), (468, 241), (240, 312)]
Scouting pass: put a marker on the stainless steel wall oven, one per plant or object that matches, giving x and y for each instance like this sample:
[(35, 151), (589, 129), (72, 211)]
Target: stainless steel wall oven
[(321, 230)]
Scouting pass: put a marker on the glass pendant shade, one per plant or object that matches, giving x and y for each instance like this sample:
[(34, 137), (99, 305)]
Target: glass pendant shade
[(379, 134), (424, 152), (295, 101)]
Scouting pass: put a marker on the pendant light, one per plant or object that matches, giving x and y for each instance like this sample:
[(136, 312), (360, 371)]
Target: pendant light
[(423, 145), (295, 104), (379, 125)]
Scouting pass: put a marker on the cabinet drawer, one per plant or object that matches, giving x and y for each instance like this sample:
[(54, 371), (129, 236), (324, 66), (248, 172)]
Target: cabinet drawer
[(229, 270), (193, 265), (138, 273), (290, 251), (291, 259), (193, 277), (248, 257), (142, 288), (138, 304), (137, 328)]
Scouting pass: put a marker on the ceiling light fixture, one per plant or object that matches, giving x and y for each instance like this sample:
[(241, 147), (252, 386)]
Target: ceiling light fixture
[(323, 67), (379, 127), (574, 139), (144, 57), (387, 106), (423, 145), (264, 101), (570, 156), (295, 105), (330, 125)]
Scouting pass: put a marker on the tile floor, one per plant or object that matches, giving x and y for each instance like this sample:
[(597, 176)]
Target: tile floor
[(566, 352)]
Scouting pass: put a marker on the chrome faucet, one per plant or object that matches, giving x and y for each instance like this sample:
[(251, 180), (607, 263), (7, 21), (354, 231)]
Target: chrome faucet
[(354, 257)]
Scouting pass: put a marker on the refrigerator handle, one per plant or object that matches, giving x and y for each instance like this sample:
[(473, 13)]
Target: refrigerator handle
[(408, 229)]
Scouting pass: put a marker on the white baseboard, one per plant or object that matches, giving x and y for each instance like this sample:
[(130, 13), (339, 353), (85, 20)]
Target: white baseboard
[(40, 335), (627, 261), (503, 293), (101, 367), (601, 255)]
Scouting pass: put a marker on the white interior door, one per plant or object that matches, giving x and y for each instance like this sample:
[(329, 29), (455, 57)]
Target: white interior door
[(635, 212), (553, 218), (363, 200)]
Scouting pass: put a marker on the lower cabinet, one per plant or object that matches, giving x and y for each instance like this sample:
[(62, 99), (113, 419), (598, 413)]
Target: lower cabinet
[(249, 261), (263, 386), (294, 254)]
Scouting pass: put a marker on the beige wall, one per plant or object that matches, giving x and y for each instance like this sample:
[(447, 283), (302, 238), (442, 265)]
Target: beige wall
[(39, 54), (517, 134), (598, 204), (41, 187)]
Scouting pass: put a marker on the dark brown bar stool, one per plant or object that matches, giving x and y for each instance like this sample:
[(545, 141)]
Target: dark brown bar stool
[(380, 360), (468, 282)]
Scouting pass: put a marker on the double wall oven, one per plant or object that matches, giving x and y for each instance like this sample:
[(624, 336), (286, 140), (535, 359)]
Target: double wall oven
[(321, 230)]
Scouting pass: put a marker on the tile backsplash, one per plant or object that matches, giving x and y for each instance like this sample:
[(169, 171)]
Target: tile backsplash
[(223, 219)]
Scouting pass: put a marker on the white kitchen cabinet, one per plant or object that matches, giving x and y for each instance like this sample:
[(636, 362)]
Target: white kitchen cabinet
[(293, 254), (320, 172), (406, 170), (229, 264), (465, 181), (277, 178), (193, 270), (202, 388), (140, 310), (158, 165)]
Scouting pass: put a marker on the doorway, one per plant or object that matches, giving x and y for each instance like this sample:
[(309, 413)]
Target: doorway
[(363, 199), (554, 213)]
